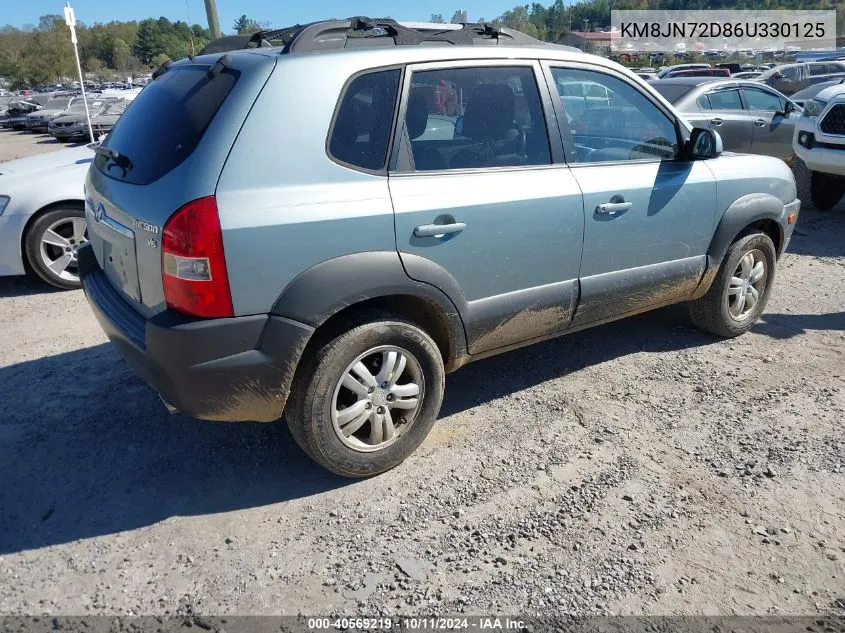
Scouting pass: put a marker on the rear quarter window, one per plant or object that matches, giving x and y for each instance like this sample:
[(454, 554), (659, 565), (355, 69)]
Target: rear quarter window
[(164, 124), (363, 120)]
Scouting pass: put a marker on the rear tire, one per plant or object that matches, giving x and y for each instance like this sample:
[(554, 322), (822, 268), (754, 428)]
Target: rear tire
[(356, 408), (51, 243), (748, 270), (825, 190)]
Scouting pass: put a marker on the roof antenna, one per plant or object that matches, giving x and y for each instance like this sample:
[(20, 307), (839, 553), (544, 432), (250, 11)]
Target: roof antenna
[(190, 30)]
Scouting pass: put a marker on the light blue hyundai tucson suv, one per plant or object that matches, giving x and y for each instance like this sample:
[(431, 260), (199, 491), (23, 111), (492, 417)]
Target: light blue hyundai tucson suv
[(318, 227)]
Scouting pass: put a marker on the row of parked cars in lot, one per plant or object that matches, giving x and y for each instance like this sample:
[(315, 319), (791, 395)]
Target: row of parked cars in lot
[(788, 79), (63, 115), (770, 113), (433, 205)]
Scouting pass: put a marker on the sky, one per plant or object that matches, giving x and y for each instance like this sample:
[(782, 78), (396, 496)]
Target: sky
[(278, 12)]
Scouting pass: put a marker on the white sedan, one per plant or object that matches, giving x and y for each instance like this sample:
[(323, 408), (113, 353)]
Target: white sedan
[(42, 215)]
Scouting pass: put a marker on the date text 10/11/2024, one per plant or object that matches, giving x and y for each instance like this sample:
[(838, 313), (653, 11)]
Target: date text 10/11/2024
[(421, 623)]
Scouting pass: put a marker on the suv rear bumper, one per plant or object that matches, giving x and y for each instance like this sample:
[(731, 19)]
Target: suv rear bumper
[(234, 370)]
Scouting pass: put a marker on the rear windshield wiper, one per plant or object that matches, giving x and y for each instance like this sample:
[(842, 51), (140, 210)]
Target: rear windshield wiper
[(116, 157)]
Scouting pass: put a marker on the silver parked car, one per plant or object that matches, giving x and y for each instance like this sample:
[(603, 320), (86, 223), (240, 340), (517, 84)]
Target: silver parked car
[(328, 253), (75, 107), (38, 120), (73, 126), (802, 96), (791, 78), (749, 116)]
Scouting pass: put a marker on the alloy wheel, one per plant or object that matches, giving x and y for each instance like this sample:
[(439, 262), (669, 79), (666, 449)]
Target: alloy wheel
[(747, 284), (377, 398), (59, 246)]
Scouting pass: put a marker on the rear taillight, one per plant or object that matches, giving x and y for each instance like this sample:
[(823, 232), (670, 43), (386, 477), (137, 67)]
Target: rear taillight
[(193, 265)]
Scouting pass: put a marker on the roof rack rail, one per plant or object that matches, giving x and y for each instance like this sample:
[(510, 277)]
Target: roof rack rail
[(363, 32), (359, 32), (259, 39)]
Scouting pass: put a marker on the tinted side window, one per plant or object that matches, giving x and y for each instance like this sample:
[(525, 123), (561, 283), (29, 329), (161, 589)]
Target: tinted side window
[(725, 100), (703, 102), (623, 125), (762, 100), (817, 69), (364, 119), (463, 118)]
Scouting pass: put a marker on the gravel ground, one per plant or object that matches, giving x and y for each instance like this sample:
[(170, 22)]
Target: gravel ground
[(22, 144), (637, 468)]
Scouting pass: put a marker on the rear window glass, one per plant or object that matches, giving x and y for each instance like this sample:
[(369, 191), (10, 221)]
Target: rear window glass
[(60, 102), (165, 122), (115, 107), (672, 92)]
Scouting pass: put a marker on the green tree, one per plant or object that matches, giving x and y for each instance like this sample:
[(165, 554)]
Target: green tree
[(42, 53), (244, 25), (94, 65), (518, 18), (148, 41), (159, 59), (51, 22), (122, 56)]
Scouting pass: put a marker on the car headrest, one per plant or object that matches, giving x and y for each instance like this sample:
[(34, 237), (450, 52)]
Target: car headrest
[(416, 117), (489, 112), (346, 124)]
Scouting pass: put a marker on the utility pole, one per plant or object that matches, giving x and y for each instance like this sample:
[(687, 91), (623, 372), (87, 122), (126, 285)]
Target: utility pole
[(213, 20), (586, 21)]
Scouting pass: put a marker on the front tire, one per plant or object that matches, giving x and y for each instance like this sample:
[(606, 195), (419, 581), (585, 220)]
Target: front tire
[(741, 289), (802, 179), (51, 244), (364, 400), (825, 190)]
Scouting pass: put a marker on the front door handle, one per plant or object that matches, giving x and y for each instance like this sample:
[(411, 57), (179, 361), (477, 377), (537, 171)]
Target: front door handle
[(760, 122), (431, 230), (612, 208), (717, 122)]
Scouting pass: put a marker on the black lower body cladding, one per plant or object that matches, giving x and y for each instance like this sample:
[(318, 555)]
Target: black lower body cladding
[(234, 370)]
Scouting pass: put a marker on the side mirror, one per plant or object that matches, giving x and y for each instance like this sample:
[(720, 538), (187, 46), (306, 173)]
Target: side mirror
[(788, 108), (705, 143), (779, 76)]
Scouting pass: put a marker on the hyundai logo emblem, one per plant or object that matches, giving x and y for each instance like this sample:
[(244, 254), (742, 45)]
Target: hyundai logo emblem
[(99, 212)]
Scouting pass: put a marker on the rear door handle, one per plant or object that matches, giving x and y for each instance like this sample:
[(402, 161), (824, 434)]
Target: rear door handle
[(430, 230), (760, 122), (716, 121), (612, 208)]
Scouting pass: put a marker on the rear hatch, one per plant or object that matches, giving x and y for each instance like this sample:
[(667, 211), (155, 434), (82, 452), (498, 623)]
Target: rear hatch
[(166, 150)]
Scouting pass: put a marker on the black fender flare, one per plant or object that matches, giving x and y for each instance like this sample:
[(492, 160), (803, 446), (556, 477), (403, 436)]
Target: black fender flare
[(743, 212), (325, 289)]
